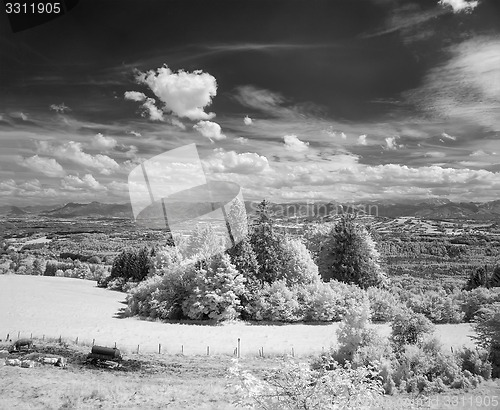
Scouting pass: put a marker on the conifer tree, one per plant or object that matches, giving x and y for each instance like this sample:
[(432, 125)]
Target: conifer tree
[(266, 242), (350, 255)]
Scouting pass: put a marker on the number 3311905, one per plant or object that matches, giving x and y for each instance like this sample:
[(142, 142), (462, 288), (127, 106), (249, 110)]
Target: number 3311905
[(33, 8)]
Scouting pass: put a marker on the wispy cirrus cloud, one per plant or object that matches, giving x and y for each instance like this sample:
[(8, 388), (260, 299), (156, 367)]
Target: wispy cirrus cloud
[(467, 86)]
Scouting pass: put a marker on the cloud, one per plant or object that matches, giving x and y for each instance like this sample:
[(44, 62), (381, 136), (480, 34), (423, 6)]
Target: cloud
[(149, 108), (99, 141), (447, 136), (75, 183), (232, 162), (47, 166), (292, 143), (242, 140), (210, 130), (135, 133), (260, 99), (151, 111), (435, 154), (135, 96), (247, 120), (467, 86), (59, 108), (362, 140), (459, 5), (19, 115), (185, 94), (177, 123), (72, 151), (390, 143)]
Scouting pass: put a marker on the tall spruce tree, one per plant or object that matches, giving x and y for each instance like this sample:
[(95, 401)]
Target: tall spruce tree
[(350, 255), (266, 243)]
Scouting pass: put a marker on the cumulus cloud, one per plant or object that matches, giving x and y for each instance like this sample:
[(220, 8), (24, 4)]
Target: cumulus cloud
[(185, 94), (31, 188), (75, 183), (460, 5), (210, 130), (247, 120), (135, 133), (148, 106), (292, 143), (47, 166), (448, 136), (390, 143), (242, 140), (151, 111), (135, 96), (99, 141), (232, 162), (60, 108), (362, 140), (72, 151)]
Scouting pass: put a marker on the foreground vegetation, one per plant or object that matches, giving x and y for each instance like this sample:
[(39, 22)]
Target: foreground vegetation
[(201, 382)]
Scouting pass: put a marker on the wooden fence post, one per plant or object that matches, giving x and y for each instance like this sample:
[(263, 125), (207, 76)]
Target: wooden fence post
[(137, 349), (76, 340), (239, 348), (159, 348), (208, 350), (93, 342), (182, 349)]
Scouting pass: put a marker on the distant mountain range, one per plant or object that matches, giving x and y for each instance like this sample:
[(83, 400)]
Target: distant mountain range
[(429, 209)]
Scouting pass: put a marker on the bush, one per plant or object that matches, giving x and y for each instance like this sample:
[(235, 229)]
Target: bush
[(383, 304), (410, 328), (216, 291), (487, 327), (437, 306), (472, 301), (276, 302), (475, 361), (162, 296), (321, 302), (297, 386)]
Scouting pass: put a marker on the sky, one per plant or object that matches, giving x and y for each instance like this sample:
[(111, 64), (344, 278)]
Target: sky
[(294, 100)]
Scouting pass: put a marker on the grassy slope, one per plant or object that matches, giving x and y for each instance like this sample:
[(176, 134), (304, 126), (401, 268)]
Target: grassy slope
[(76, 308)]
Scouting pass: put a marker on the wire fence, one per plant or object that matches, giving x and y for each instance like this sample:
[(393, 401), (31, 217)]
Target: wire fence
[(237, 350)]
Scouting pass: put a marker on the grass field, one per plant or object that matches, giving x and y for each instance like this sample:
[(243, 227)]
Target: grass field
[(72, 308)]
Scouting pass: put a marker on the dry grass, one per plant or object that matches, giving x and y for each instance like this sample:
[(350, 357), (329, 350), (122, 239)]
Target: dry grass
[(165, 382)]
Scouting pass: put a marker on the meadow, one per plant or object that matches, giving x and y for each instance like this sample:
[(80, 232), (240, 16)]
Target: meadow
[(71, 308)]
